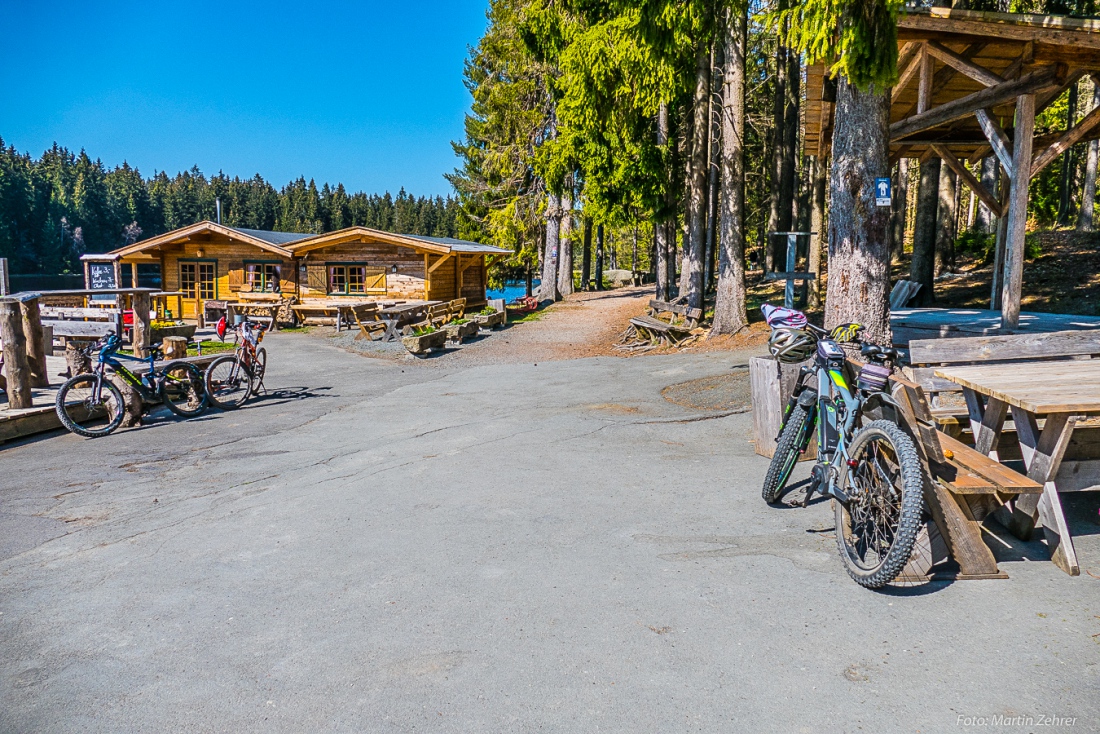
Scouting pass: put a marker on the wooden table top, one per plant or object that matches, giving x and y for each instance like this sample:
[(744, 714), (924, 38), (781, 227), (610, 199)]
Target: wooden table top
[(403, 308), (1039, 387)]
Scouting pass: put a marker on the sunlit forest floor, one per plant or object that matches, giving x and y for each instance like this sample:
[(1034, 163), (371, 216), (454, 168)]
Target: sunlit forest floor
[(1063, 278)]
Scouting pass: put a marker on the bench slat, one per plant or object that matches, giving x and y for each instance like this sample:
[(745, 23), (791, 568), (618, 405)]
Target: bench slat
[(1005, 348)]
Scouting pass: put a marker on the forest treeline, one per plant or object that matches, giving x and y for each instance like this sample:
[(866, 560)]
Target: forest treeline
[(669, 135), (61, 205)]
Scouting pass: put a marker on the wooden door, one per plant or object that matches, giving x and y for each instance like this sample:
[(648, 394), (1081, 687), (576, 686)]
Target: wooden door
[(199, 282)]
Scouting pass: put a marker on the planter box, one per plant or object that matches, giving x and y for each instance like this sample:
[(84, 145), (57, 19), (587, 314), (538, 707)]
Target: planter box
[(186, 331), (424, 343), (489, 320), (458, 332)]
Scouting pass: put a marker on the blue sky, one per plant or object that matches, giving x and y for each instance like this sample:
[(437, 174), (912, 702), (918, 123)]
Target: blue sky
[(366, 93)]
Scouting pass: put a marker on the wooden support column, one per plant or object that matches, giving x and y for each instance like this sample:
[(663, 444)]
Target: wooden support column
[(999, 244), (1017, 211), (16, 370), (142, 327), (36, 348)]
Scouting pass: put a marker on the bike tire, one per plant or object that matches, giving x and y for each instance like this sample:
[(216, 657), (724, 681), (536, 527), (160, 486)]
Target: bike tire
[(183, 389), (78, 412), (229, 382), (872, 515), (791, 442), (259, 369)]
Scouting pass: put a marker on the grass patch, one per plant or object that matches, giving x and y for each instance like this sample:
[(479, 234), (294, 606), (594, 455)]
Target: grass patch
[(526, 318)]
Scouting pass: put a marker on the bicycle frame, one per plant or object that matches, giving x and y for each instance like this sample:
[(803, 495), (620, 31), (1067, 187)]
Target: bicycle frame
[(109, 357)]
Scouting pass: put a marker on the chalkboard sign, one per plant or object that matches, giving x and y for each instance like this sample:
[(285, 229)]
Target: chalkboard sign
[(101, 276)]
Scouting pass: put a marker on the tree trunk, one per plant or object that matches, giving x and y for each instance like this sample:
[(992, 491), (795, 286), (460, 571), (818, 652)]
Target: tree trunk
[(788, 184), (16, 369), (922, 266), (660, 229), (691, 276), (565, 258), (634, 255), (548, 286), (586, 255), (817, 224), (859, 252), (897, 214), (983, 220), (729, 302), (779, 104), (1069, 165), (599, 257), (714, 162), (945, 221), (1088, 196), (36, 348)]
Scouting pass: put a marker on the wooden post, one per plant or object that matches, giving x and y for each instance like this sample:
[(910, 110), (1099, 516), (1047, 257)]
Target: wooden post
[(142, 327), (1017, 212), (32, 332), (5, 287), (771, 384), (999, 244), (16, 370)]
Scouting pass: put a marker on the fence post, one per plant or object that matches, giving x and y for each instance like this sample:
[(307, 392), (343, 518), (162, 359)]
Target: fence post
[(32, 332), (142, 327), (15, 355), (5, 287)]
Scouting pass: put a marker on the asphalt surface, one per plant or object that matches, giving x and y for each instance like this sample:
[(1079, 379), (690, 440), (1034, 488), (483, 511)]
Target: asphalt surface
[(378, 546)]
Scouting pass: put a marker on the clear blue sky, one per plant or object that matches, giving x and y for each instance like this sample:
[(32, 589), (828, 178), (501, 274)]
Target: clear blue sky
[(366, 93)]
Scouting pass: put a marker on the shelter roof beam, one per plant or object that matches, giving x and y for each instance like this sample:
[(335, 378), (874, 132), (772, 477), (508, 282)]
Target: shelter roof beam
[(1040, 80), (1068, 139), (964, 173), (963, 65), (998, 141)]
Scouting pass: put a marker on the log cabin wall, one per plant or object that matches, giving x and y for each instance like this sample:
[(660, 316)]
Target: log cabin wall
[(441, 282), (473, 280), (407, 283), (228, 258)]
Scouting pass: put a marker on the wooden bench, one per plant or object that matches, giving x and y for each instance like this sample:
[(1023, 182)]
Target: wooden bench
[(945, 398), (671, 311), (82, 323), (658, 331), (962, 487), (366, 316)]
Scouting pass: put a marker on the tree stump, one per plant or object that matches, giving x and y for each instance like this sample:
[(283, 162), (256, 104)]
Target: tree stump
[(175, 347), (79, 364), (75, 360)]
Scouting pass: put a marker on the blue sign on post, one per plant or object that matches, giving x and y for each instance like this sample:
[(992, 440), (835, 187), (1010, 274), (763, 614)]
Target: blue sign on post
[(882, 191)]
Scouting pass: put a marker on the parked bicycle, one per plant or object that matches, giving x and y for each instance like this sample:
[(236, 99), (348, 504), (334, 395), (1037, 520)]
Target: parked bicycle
[(91, 405), (871, 470), (233, 378)]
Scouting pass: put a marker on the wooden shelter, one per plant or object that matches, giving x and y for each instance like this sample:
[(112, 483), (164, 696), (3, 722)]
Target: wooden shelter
[(208, 261), (970, 84)]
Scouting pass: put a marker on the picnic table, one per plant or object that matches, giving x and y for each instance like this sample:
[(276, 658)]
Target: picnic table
[(1062, 394), (339, 310), (394, 317), (263, 309)]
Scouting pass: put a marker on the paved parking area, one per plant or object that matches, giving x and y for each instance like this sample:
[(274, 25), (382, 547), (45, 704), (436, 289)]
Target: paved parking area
[(392, 547)]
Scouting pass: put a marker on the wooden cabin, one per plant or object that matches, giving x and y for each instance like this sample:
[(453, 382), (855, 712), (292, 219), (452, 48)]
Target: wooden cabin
[(213, 262)]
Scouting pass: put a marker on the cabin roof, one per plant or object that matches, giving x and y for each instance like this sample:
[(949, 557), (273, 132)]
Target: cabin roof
[(289, 244)]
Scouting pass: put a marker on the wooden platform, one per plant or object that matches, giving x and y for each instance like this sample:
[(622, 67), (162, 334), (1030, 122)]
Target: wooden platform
[(933, 323)]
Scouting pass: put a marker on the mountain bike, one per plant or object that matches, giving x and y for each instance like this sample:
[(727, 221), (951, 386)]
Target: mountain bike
[(871, 471), (233, 378), (91, 405)]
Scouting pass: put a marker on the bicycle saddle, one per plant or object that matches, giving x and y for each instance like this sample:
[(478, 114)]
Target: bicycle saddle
[(874, 351)]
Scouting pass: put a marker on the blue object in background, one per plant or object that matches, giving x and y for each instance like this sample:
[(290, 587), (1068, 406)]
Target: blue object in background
[(512, 290)]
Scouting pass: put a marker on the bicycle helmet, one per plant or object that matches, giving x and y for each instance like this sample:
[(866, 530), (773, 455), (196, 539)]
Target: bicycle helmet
[(791, 345)]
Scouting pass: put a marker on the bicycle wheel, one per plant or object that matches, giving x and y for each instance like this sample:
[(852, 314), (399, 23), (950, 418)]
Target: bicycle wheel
[(182, 389), (259, 368), (89, 412), (228, 382), (876, 531), (791, 442)]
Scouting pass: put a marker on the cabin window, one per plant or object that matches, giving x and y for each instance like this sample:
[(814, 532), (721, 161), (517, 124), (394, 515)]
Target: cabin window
[(198, 279), (350, 279), (263, 277)]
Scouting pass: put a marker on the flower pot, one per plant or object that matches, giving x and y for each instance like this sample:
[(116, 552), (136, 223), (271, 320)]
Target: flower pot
[(186, 331), (458, 332), (424, 343), (489, 320)]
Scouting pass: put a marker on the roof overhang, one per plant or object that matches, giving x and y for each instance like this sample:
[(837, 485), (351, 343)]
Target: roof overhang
[(366, 234), (184, 234)]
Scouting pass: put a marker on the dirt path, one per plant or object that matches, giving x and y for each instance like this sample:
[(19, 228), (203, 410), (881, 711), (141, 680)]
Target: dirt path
[(583, 325)]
